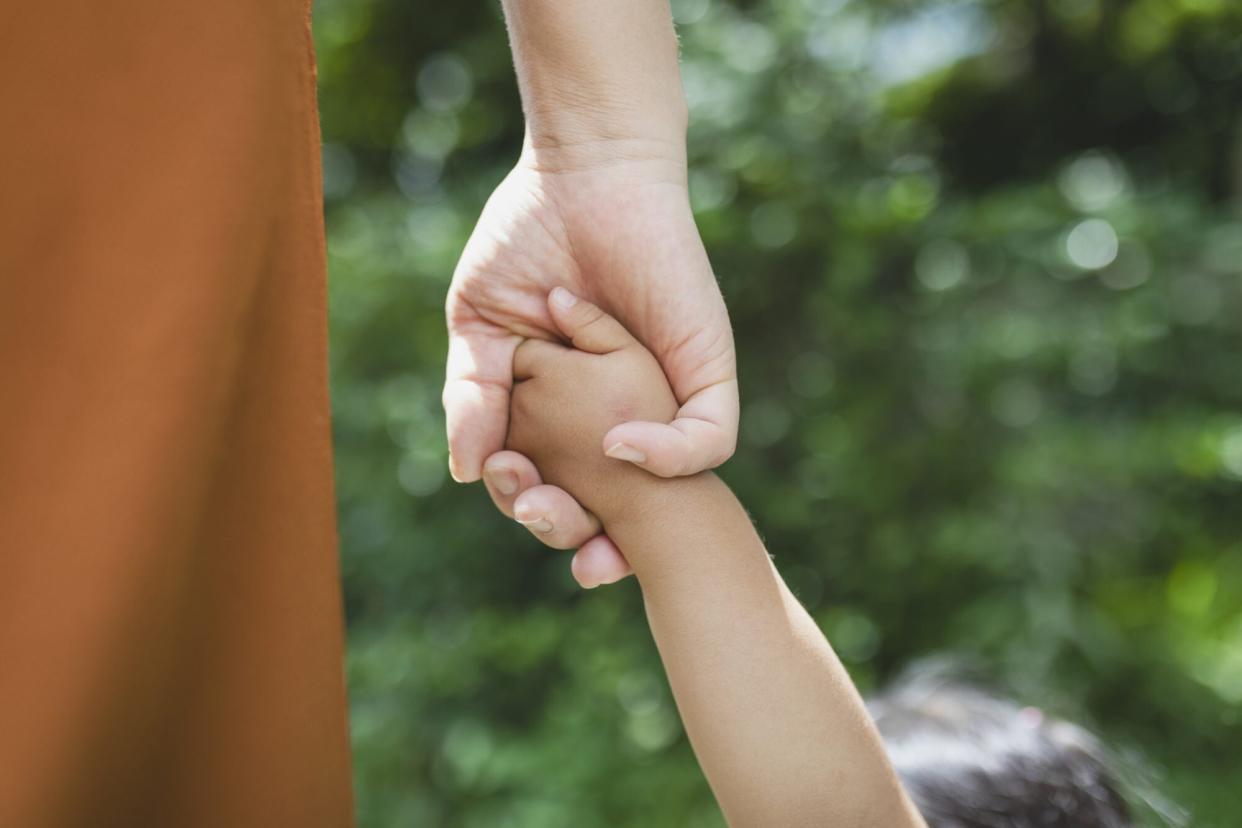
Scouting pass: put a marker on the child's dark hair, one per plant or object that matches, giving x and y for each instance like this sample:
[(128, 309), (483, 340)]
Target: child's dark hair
[(970, 759)]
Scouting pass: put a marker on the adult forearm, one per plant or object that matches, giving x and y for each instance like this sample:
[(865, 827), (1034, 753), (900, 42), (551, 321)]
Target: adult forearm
[(776, 723), (597, 72)]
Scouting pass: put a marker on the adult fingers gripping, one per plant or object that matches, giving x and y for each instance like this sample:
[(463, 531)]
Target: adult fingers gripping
[(478, 379), (554, 517), (507, 474), (599, 562), (550, 513)]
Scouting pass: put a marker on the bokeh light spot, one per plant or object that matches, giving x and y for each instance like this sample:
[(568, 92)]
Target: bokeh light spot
[(1231, 452), (1093, 182), (773, 224), (444, 83), (1092, 244), (942, 264), (765, 422)]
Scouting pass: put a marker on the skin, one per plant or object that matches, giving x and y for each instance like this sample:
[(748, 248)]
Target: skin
[(778, 727), (598, 204)]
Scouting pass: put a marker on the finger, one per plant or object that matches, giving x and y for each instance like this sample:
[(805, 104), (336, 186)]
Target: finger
[(584, 324), (534, 354), (507, 474), (477, 383), (599, 561), (691, 443), (554, 517)]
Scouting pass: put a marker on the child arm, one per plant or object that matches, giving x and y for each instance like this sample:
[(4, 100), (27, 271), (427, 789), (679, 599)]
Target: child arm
[(778, 727)]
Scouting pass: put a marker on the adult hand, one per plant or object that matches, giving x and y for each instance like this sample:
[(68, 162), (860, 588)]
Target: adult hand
[(612, 224)]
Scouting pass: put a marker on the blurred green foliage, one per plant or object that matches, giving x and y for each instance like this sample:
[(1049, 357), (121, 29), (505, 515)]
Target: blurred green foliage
[(984, 261)]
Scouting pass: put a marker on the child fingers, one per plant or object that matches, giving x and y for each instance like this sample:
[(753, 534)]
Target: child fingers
[(599, 561), (588, 327), (554, 517), (507, 474), (532, 355)]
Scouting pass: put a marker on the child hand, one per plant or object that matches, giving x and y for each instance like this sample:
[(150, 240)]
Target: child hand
[(566, 399)]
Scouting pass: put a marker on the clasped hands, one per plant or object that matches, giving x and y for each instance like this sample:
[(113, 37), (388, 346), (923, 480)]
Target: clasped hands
[(622, 237)]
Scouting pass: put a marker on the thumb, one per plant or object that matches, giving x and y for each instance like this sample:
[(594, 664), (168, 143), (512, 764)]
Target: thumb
[(701, 437), (584, 324)]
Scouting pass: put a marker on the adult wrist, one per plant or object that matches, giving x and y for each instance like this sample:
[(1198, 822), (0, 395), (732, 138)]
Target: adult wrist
[(578, 149), (596, 74)]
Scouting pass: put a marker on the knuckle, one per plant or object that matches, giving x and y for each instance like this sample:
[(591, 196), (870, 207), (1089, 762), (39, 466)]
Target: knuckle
[(452, 395), (590, 315)]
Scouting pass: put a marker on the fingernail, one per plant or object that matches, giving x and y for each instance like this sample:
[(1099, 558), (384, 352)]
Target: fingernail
[(453, 473), (621, 451), (541, 525), (503, 481), (563, 297)]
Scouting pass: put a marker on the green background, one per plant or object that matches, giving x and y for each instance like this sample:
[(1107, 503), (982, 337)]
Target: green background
[(984, 262)]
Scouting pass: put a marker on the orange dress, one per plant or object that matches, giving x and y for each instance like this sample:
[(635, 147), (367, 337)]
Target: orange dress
[(170, 620)]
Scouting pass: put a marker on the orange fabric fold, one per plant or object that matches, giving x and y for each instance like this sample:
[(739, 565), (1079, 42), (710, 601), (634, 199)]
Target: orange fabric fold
[(170, 619)]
